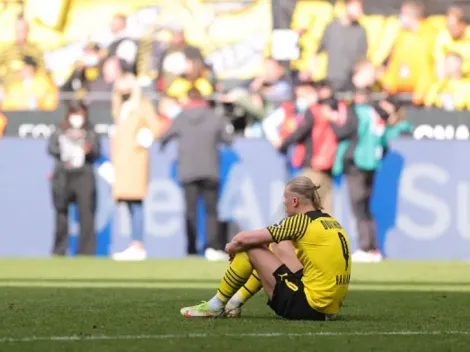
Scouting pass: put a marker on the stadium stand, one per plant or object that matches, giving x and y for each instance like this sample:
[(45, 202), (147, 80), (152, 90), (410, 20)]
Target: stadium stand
[(233, 38)]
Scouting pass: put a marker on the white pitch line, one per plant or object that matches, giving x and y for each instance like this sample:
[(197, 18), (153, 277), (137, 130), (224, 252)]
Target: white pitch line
[(202, 335)]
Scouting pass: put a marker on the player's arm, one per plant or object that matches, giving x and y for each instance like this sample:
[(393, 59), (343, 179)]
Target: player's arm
[(291, 228)]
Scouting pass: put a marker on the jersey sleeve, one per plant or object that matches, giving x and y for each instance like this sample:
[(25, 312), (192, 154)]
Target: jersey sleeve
[(291, 228)]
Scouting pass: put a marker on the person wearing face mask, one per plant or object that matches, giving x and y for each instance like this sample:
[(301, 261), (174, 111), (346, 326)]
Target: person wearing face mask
[(87, 73), (136, 127), (75, 147), (315, 141)]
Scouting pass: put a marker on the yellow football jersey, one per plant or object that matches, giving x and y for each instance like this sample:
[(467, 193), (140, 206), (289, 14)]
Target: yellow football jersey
[(322, 247)]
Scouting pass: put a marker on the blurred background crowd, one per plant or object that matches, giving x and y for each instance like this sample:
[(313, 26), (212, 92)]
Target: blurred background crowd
[(423, 56), (329, 91)]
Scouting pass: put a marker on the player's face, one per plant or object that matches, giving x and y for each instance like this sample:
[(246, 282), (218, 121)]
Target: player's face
[(291, 203)]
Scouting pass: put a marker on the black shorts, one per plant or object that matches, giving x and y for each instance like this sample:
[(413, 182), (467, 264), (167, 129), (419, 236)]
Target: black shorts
[(289, 299)]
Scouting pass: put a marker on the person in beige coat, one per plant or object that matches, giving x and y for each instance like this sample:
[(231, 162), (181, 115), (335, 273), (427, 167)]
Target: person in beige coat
[(136, 127)]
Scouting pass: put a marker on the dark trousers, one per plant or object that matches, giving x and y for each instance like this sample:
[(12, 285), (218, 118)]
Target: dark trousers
[(209, 191), (360, 186), (81, 189)]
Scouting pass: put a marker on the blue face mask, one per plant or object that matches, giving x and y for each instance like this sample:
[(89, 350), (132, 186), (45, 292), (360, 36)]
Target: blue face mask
[(91, 60), (404, 21), (301, 105), (174, 111)]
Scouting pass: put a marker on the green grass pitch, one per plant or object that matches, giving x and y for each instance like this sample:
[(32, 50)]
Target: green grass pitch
[(97, 305)]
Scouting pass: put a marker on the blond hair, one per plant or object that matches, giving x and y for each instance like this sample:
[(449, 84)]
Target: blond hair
[(306, 189)]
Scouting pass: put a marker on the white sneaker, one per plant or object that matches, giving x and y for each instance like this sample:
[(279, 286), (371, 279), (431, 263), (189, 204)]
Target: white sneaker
[(361, 257), (214, 255), (131, 254), (366, 257), (375, 256)]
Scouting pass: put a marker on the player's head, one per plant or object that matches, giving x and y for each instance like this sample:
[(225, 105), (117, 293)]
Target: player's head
[(301, 195)]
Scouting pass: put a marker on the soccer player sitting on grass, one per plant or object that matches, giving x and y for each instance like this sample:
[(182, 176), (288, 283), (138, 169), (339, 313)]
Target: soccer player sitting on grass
[(308, 285)]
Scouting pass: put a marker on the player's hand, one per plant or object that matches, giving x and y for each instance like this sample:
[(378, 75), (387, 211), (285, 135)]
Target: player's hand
[(232, 248)]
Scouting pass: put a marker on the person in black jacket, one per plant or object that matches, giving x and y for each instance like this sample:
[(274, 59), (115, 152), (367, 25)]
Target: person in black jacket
[(199, 131), (75, 147)]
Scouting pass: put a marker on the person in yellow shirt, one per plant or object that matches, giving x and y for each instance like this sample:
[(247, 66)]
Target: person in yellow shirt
[(410, 65), (32, 91), (451, 92), (12, 55), (454, 39), (312, 279)]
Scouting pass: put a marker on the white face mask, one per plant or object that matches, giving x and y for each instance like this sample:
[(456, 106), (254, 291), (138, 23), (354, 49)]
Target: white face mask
[(76, 121)]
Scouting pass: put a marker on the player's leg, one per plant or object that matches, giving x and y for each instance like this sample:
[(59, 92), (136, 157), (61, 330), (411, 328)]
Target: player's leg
[(284, 288), (248, 290), (285, 251), (266, 264), (234, 278)]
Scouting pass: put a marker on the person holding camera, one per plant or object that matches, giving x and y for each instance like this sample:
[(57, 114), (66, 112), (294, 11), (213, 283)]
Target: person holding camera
[(75, 147)]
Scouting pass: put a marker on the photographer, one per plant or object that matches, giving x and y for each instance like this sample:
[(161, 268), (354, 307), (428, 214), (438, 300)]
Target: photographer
[(75, 147)]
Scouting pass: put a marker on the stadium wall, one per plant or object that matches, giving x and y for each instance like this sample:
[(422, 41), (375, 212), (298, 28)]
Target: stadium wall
[(421, 199)]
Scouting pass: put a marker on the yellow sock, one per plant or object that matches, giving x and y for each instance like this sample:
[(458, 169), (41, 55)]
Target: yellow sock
[(235, 277), (249, 289)]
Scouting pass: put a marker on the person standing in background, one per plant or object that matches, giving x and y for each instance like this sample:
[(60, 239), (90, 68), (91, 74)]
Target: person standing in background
[(11, 57), (199, 131), (360, 153), (75, 147), (136, 127), (174, 59), (32, 90), (345, 41), (315, 141)]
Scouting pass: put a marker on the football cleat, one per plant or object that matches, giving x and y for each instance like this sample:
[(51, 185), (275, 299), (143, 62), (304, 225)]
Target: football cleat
[(201, 310)]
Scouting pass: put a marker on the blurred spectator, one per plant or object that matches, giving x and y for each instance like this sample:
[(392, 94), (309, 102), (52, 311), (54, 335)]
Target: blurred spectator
[(120, 47), (366, 76), (31, 90), (272, 84), (199, 131), (266, 93), (75, 147), (87, 74), (345, 42), (136, 126), (410, 66), (193, 76), (11, 57), (151, 48), (169, 107), (284, 120), (174, 59), (454, 39), (117, 31), (360, 153), (316, 141), (452, 92)]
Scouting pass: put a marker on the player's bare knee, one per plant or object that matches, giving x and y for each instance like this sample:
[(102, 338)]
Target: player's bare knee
[(283, 249)]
